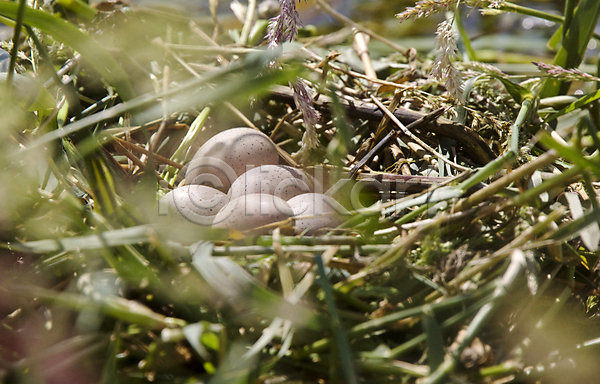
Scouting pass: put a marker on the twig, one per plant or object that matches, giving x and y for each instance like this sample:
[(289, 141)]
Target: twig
[(360, 46), (248, 22), (158, 136), (202, 35), (269, 250), (350, 72), (390, 136), (414, 137), (481, 153), (211, 49), (64, 69), (209, 40), (144, 151)]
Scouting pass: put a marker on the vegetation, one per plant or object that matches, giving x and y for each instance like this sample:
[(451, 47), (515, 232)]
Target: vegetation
[(471, 254)]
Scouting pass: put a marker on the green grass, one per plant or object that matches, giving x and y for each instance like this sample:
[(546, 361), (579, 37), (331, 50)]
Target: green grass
[(487, 275)]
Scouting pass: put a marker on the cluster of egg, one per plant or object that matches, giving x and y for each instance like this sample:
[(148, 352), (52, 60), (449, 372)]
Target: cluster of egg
[(235, 181)]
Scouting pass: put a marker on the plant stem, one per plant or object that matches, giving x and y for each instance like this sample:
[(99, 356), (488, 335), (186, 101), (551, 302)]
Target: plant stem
[(514, 269), (343, 347), (15, 49), (518, 174)]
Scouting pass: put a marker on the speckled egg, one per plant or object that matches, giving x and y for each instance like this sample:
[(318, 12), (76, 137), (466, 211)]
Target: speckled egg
[(313, 211), (252, 211), (278, 180), (197, 204), (225, 156)]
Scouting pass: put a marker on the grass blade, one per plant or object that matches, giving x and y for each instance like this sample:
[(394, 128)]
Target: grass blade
[(63, 31), (590, 235), (235, 284), (435, 339), (118, 237), (574, 45), (341, 341), (579, 103), (129, 311)]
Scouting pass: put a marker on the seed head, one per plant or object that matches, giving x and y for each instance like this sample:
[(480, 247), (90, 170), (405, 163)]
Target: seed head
[(424, 8), (443, 69), (496, 3), (284, 27), (570, 74), (311, 117)]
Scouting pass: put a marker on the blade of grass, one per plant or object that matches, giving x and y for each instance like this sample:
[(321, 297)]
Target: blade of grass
[(193, 334), (573, 228), (488, 170), (118, 237), (435, 340), (559, 180), (28, 93), (182, 152), (65, 32), (383, 322), (517, 174), (342, 346), (478, 266), (68, 89), (79, 7), (579, 103), (446, 324), (129, 311), (278, 324), (590, 234), (515, 268), (235, 284), (101, 182), (575, 42), (109, 371), (518, 93), (570, 153), (392, 367), (15, 49), (255, 83), (471, 54)]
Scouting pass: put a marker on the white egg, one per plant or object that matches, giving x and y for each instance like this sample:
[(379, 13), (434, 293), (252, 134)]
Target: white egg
[(197, 204), (278, 180), (252, 211), (313, 211), (228, 154)]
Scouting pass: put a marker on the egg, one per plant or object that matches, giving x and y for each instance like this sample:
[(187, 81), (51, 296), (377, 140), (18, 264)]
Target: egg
[(313, 211), (252, 211), (278, 180), (227, 155), (197, 204)]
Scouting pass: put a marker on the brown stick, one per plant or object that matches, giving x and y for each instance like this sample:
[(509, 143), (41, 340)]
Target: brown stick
[(388, 138), (142, 150), (479, 150)]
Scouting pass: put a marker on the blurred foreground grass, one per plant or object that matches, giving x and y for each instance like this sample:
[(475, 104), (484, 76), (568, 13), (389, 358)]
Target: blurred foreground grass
[(488, 275)]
